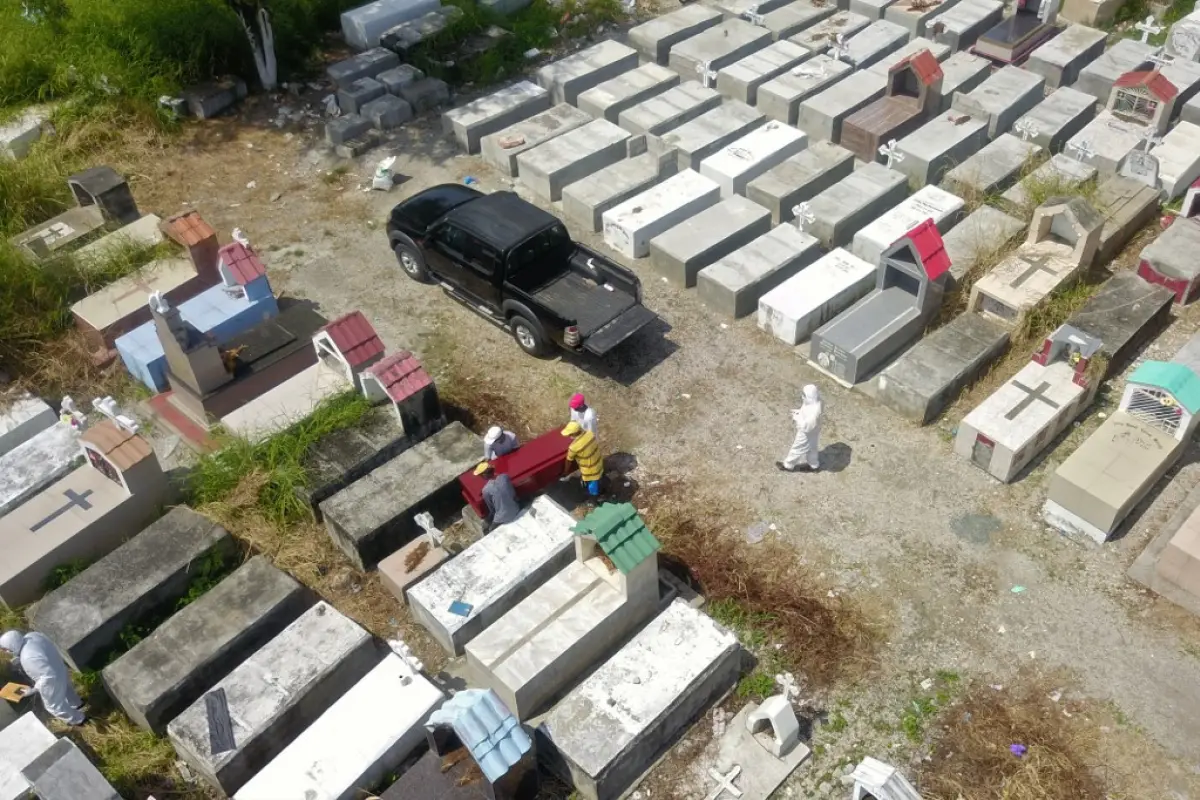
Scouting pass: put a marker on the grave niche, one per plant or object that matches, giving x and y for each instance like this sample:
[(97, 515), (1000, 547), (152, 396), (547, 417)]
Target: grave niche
[(1144, 98), (104, 188), (913, 91), (1012, 40)]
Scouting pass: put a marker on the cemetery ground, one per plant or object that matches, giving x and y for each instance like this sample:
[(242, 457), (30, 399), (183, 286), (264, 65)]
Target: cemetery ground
[(931, 617)]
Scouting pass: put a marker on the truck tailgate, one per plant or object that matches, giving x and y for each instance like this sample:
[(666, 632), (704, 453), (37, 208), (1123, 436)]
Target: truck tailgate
[(630, 321)]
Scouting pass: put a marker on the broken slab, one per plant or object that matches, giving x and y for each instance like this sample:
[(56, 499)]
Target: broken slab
[(1178, 159), (842, 209), (789, 20), (363, 26), (549, 167), (960, 25), (1052, 122), (978, 239), (85, 616), (373, 516), (568, 77), (792, 311), (367, 64), (1060, 169), (874, 43), (780, 98), (716, 47), (585, 202), (352, 746), (630, 225), (164, 673), (1098, 77), (679, 253), (703, 136), (18, 135), (961, 73), (274, 695), (21, 742), (744, 159), (1002, 98), (927, 378), (996, 167), (733, 285), (63, 772), (938, 145), (1061, 59), (741, 79), (799, 179), (821, 115), (1127, 206), (655, 38), (494, 574), (1123, 315), (670, 109), (608, 99), (928, 203), (604, 734), (819, 37), (470, 123), (500, 149)]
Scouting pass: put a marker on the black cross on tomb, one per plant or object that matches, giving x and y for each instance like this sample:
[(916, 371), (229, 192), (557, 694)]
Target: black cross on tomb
[(1030, 396), (74, 500), (1036, 264)]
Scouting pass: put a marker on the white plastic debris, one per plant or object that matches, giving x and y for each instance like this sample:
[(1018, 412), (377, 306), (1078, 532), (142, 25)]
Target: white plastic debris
[(252, 185), (332, 109), (532, 53), (241, 238), (384, 180), (424, 521)]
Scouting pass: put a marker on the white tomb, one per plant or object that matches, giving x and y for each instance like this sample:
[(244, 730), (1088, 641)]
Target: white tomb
[(1017, 421), (629, 227), (365, 735), (930, 202), (21, 743), (485, 581), (25, 417), (1178, 156), (36, 463), (735, 165), (804, 302), (1106, 141)]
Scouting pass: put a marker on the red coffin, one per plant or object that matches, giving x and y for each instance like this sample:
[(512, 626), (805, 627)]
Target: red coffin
[(532, 468)]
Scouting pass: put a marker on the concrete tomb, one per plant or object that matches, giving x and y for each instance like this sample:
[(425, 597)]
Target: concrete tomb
[(821, 36), (746, 158), (910, 96), (61, 234), (1011, 40), (608, 99), (1093, 491), (18, 136), (604, 734), (470, 123), (1128, 205), (209, 99), (822, 116), (930, 203), (141, 233), (922, 382), (24, 418), (1106, 142), (482, 583), (842, 209), (740, 80), (961, 73), (872, 9), (397, 78), (104, 188), (63, 772), (1058, 169), (1183, 38), (996, 167), (584, 202), (630, 225), (796, 308), (500, 149), (403, 38), (670, 109), (780, 98), (961, 25), (1168, 565), (37, 462), (169, 670), (655, 38), (565, 159), (1124, 57), (914, 16), (1123, 315), (1052, 122), (372, 517), (1020, 419), (412, 562), (908, 292), (874, 43), (21, 742), (85, 616), (747, 9), (733, 285), (352, 746), (1061, 59), (363, 26), (680, 253), (874, 779), (1170, 260), (789, 20), (799, 179), (1002, 98), (703, 136), (1178, 157), (985, 232), (914, 46), (85, 514), (399, 381), (926, 154), (274, 695), (700, 56), (576, 617), (367, 64), (1063, 238)]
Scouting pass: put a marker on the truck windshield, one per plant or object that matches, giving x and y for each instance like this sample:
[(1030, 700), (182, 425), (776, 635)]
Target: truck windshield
[(540, 258)]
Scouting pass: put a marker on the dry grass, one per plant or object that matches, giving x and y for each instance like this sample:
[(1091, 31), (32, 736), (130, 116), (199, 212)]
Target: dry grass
[(64, 366), (971, 760)]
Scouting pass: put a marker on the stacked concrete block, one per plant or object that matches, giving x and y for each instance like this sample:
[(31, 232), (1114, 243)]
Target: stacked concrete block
[(426, 94), (608, 99), (654, 39), (569, 77), (681, 252), (397, 78), (363, 26), (370, 64), (387, 112), (548, 168)]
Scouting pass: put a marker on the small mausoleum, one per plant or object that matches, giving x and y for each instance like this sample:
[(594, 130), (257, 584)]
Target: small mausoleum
[(913, 93), (401, 380), (1012, 39)]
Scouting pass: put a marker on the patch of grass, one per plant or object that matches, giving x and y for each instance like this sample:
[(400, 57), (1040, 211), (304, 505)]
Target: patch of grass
[(915, 717), (63, 573), (756, 686), (1054, 310), (277, 462), (1040, 188), (837, 723)]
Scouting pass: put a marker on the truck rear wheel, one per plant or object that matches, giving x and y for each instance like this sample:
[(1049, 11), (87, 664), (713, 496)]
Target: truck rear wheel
[(412, 261), (528, 335)]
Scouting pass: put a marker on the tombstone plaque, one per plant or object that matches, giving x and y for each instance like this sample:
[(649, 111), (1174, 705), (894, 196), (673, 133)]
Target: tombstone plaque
[(1184, 40), (1141, 166)]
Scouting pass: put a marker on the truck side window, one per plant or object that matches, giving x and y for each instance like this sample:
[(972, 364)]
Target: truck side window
[(480, 257), (451, 238)]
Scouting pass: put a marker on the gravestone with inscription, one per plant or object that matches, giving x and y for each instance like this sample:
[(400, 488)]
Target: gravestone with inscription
[(793, 310)]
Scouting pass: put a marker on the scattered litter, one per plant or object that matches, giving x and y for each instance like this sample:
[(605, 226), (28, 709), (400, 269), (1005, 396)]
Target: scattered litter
[(252, 185), (999, 687), (686, 396), (275, 197), (510, 141), (756, 532), (1033, 653), (1055, 696), (461, 609), (1017, 750), (1000, 629), (470, 181), (1017, 589), (724, 327), (927, 684), (719, 722), (532, 53), (332, 108), (384, 180), (1102, 415)]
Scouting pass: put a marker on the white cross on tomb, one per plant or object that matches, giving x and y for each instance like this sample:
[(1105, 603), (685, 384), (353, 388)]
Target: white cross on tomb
[(1026, 128), (1148, 28), (803, 215), (752, 16), (1160, 59), (787, 682), (1150, 138), (838, 50), (706, 72), (891, 152), (1082, 151), (724, 783)]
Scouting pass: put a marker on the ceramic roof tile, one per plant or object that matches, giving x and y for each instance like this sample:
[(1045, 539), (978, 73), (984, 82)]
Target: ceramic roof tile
[(355, 338), (188, 229), (621, 534), (924, 66), (123, 448), (1158, 84), (487, 728), (930, 249), (1179, 380), (401, 375), (244, 265)]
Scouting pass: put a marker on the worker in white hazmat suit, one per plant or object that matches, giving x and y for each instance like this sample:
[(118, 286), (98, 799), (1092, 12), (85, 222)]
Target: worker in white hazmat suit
[(803, 455), (40, 661)]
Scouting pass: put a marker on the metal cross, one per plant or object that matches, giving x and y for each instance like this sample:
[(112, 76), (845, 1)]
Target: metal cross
[(1030, 396), (74, 500), (787, 682), (1148, 28), (1036, 264), (706, 72), (838, 50), (1160, 59), (802, 215), (891, 152), (1027, 129), (1082, 151), (752, 16), (724, 783)]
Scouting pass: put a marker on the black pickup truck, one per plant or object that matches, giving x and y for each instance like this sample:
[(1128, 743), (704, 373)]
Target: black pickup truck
[(517, 265)]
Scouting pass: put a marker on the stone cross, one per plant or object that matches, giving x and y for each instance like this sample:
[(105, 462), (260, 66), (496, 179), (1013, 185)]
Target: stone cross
[(752, 16), (1082, 151), (706, 72), (724, 783), (838, 50), (1026, 128), (74, 500), (1160, 59), (803, 215), (1150, 138), (891, 152), (787, 682), (1036, 264), (1030, 396), (1148, 28), (108, 407)]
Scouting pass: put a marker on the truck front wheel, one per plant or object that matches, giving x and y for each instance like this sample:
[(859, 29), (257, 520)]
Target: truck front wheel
[(412, 261), (528, 335)]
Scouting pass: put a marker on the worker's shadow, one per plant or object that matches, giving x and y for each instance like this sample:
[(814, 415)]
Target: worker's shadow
[(835, 457)]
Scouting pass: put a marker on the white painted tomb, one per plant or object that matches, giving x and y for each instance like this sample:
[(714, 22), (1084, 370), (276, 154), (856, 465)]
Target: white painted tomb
[(1020, 419), (612, 727), (1178, 157), (745, 159), (494, 574), (629, 227), (576, 617), (793, 310), (1109, 141), (365, 735), (144, 232), (35, 463), (25, 417), (930, 202), (21, 743)]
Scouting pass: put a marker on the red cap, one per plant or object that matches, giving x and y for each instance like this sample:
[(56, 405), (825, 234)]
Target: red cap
[(577, 401)]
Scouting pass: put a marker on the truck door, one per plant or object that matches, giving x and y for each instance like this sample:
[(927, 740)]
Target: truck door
[(467, 264)]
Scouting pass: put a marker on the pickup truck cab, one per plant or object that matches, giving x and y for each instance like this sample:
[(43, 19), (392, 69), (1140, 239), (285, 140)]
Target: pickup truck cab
[(516, 264)]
